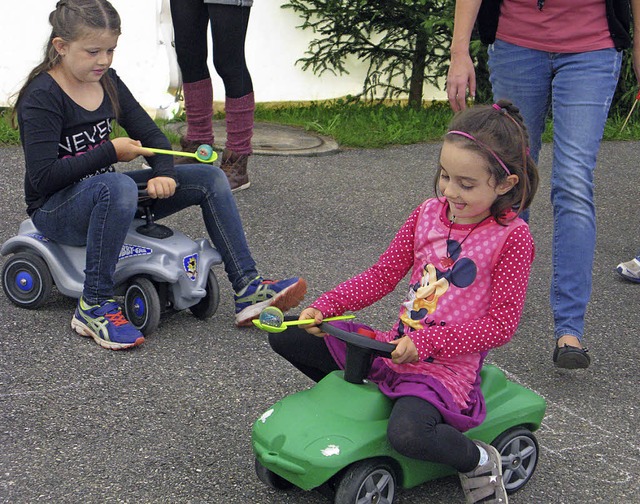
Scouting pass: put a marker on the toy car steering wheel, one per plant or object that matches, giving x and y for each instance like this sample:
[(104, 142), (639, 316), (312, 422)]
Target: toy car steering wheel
[(143, 194), (145, 202), (360, 352)]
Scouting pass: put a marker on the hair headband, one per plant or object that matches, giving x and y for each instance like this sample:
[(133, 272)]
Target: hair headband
[(484, 146)]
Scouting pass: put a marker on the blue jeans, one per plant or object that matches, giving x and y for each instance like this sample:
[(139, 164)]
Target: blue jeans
[(97, 212), (578, 88)]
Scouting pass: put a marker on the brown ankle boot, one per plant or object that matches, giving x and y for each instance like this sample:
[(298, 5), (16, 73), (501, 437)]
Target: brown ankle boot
[(188, 146), (235, 167)]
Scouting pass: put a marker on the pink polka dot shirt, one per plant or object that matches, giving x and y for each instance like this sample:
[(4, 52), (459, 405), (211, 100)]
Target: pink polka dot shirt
[(467, 290)]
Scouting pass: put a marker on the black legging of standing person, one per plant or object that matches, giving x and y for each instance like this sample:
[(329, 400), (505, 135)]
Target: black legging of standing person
[(228, 32), (415, 428)]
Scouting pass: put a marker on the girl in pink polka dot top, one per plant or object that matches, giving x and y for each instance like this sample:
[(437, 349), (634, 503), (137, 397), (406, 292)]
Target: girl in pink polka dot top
[(469, 254)]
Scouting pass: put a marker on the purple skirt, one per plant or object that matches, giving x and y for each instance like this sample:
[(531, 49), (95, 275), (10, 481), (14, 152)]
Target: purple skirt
[(394, 385)]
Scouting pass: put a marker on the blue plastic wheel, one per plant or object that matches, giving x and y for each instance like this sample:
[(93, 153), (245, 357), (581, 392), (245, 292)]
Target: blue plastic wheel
[(26, 280), (142, 305)]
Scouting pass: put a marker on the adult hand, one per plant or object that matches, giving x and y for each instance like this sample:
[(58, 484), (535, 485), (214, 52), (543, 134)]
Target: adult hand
[(405, 351), (636, 58), (635, 13), (161, 187), (128, 149), (461, 76), (316, 315)]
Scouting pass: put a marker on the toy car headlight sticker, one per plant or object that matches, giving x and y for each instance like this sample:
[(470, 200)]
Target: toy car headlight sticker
[(331, 445), (266, 415), (190, 264), (38, 236), (331, 450), (133, 251)]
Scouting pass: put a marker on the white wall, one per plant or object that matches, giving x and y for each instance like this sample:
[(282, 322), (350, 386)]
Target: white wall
[(146, 61)]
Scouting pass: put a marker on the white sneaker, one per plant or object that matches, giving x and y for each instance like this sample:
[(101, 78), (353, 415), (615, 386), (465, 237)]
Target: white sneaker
[(484, 483), (630, 270)]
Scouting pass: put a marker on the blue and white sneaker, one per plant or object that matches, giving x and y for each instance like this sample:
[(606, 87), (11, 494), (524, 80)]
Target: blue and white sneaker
[(106, 324), (260, 293), (630, 270)]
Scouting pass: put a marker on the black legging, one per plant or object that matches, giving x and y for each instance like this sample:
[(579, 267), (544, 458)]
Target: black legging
[(228, 32), (415, 427), (307, 353)]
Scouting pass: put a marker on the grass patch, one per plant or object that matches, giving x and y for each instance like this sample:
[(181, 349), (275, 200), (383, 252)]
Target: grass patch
[(8, 134), (360, 125)]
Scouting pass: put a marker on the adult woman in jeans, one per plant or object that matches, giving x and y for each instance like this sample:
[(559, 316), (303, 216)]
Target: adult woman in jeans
[(565, 58)]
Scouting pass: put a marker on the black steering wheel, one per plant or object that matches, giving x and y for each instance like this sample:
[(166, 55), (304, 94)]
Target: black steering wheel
[(145, 204), (143, 194), (360, 352)]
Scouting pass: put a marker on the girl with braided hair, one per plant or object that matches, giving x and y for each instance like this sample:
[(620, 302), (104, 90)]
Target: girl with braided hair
[(66, 113)]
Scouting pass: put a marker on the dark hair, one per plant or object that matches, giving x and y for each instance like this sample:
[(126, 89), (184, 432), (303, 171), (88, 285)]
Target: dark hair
[(71, 20), (498, 130)]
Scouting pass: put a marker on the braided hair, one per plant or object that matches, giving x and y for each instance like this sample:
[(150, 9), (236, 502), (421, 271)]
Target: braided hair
[(71, 20)]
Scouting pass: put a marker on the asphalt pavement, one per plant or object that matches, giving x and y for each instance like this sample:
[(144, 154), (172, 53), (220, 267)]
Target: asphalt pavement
[(170, 421)]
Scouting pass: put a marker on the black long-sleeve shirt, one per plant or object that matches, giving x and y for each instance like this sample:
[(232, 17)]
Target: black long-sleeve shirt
[(64, 143)]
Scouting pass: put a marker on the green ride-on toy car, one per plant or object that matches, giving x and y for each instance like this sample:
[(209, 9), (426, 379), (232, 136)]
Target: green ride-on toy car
[(333, 436)]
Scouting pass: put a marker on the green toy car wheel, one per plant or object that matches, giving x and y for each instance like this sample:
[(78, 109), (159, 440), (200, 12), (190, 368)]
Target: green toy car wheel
[(518, 449), (369, 481)]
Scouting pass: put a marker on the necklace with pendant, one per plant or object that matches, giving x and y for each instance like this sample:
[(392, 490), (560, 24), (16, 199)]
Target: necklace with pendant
[(448, 261)]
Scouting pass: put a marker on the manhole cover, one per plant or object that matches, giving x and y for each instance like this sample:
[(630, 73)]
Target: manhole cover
[(274, 139)]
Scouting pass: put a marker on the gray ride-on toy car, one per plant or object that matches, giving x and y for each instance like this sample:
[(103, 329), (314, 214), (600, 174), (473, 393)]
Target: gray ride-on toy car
[(159, 270)]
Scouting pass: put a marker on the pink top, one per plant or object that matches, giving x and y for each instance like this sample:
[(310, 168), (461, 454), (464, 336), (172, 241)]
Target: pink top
[(563, 26), (458, 307)]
